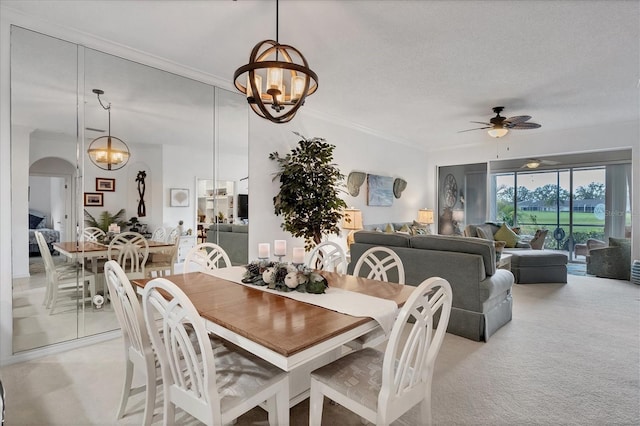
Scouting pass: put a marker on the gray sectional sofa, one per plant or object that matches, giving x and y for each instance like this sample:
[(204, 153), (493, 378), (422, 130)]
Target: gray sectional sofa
[(234, 239), (482, 300)]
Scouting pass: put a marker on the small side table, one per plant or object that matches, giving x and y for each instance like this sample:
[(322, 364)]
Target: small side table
[(504, 262)]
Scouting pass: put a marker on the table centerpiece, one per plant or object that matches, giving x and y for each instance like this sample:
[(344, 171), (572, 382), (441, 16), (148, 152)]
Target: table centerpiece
[(285, 277)]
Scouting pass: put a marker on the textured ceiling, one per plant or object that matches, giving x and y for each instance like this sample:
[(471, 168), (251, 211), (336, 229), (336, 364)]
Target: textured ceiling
[(415, 71)]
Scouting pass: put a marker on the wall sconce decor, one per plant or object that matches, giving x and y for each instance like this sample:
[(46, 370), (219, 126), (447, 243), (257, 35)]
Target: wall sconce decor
[(108, 152)]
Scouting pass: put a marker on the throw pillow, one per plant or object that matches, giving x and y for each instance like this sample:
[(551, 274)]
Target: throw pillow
[(42, 224), (34, 221), (418, 228), (405, 228), (485, 232), (389, 229), (507, 235)]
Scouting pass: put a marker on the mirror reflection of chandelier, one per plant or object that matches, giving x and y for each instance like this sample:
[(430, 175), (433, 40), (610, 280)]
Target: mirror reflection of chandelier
[(108, 152), (287, 75)]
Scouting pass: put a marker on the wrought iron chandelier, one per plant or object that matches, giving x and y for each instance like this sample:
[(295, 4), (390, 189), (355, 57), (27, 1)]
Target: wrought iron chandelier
[(281, 98), (108, 152)]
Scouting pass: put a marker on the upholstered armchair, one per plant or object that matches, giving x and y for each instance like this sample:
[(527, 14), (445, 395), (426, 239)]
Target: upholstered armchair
[(612, 261)]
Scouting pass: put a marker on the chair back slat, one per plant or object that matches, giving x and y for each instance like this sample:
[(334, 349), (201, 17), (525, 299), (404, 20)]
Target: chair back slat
[(92, 234), (407, 369), (377, 262), (206, 257), (130, 250), (328, 256)]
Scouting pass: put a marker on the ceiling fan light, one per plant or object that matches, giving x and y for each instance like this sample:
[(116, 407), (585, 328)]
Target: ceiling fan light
[(498, 132), (533, 164)]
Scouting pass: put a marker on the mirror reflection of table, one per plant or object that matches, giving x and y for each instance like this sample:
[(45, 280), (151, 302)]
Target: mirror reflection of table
[(293, 335)]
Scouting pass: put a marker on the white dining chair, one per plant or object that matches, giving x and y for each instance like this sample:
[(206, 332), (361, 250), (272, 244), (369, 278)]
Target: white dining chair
[(205, 257), (377, 263), (92, 234), (130, 250), (328, 256), (382, 386), (215, 389), (63, 279), (159, 234), (162, 264), (139, 355)]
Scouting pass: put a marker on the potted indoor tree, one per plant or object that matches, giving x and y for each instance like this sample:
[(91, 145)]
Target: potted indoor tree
[(310, 184)]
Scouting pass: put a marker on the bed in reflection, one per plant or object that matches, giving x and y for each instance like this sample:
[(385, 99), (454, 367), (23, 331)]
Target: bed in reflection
[(38, 222)]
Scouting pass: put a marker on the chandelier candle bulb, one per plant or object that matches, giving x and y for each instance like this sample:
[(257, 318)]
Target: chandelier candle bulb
[(297, 87), (280, 248), (298, 255), (274, 78), (263, 250)]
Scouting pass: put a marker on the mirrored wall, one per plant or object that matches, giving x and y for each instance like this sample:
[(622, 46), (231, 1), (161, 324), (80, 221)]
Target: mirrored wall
[(176, 129)]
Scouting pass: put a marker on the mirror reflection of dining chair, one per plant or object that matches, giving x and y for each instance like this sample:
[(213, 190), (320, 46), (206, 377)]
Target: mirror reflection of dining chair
[(63, 279), (328, 256), (377, 263), (382, 386), (162, 264), (215, 389), (159, 234), (205, 257), (137, 344), (92, 234), (130, 250)]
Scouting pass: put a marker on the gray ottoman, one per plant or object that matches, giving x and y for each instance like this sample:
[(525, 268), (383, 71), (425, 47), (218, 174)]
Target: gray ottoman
[(535, 266)]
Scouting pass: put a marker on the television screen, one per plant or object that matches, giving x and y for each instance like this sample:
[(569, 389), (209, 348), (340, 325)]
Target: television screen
[(243, 206)]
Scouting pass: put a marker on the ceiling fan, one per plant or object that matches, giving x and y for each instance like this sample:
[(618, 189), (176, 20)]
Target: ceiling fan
[(534, 163), (499, 126)]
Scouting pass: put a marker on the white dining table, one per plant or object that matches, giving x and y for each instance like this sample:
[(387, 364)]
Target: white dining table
[(295, 336)]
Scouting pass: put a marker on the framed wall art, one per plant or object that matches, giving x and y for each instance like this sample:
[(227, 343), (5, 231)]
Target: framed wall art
[(379, 190), (93, 199), (179, 197), (105, 184)]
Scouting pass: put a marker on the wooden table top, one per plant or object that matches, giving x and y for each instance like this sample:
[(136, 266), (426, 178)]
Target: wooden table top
[(276, 322)]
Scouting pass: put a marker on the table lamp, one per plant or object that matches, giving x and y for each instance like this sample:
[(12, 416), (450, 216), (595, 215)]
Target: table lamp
[(425, 216), (351, 220)]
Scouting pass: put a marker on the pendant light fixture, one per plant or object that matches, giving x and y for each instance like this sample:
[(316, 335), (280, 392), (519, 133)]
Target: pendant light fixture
[(108, 152), (286, 74)]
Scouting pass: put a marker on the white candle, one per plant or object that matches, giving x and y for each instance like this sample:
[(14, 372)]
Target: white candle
[(298, 255), (263, 250), (280, 247)]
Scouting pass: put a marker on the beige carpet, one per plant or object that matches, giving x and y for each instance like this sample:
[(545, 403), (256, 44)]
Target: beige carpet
[(569, 357)]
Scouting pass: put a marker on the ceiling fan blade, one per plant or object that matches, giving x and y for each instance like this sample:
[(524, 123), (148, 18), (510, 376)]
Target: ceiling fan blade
[(480, 122), (525, 126), (518, 119), (477, 128), (550, 162)]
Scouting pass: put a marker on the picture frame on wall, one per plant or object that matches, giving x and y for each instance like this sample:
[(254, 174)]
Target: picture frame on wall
[(379, 190), (105, 184), (179, 197), (93, 199)]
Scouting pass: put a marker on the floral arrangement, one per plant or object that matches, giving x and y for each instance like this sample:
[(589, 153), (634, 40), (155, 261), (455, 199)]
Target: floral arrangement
[(285, 277)]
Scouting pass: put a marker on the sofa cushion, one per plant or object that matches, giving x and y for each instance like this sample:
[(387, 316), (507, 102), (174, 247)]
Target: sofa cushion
[(507, 235), (479, 246), (240, 228), (224, 227), (381, 239), (485, 232)]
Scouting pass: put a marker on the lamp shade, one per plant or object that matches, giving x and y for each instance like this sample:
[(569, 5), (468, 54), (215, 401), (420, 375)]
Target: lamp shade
[(498, 132), (425, 216), (352, 219)]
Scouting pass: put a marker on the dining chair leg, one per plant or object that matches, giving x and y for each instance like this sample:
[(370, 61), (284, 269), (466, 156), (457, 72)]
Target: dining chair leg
[(316, 400), (126, 389), (150, 394)]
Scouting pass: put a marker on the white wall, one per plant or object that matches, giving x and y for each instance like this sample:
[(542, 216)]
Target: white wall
[(355, 150)]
